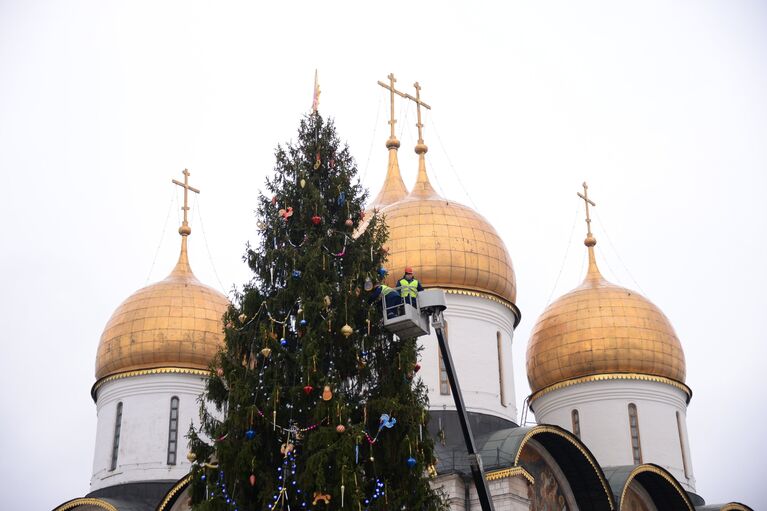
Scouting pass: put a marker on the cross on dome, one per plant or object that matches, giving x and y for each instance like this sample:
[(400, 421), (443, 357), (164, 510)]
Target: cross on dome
[(185, 230)]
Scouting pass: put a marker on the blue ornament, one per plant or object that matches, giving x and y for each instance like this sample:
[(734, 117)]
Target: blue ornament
[(250, 434), (284, 342), (303, 322), (411, 462), (202, 477), (382, 272), (386, 422), (296, 274), (341, 198)]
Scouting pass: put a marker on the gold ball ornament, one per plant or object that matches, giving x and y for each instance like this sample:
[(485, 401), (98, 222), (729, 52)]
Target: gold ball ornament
[(192, 457), (347, 330)]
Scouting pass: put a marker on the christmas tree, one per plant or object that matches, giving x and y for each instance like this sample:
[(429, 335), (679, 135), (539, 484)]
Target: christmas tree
[(311, 403)]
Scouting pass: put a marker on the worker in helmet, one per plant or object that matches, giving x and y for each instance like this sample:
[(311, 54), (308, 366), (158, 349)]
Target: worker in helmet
[(389, 297), (409, 287)]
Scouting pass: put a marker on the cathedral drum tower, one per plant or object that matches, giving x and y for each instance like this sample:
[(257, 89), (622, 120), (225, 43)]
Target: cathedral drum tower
[(605, 363), (150, 367), (452, 247)]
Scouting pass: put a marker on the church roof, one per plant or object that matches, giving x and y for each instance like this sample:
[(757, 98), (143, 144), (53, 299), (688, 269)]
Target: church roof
[(602, 329)]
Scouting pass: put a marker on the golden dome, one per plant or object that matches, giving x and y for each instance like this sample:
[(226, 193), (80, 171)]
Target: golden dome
[(173, 323), (449, 245), (598, 329)]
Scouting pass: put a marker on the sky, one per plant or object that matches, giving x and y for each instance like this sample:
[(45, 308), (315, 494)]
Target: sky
[(660, 106)]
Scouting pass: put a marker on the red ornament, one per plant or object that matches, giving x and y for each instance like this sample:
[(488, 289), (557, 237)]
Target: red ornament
[(417, 367), (252, 479), (340, 428), (349, 222), (316, 220), (308, 389)]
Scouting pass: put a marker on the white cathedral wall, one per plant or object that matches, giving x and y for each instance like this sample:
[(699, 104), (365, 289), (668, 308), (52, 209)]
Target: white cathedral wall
[(473, 327), (143, 447), (604, 422)]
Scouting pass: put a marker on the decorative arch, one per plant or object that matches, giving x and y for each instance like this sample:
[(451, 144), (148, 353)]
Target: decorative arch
[(578, 466), (663, 489), (174, 493), (86, 501), (730, 506)]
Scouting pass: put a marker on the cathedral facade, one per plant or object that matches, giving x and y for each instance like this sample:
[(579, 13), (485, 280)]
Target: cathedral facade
[(605, 367)]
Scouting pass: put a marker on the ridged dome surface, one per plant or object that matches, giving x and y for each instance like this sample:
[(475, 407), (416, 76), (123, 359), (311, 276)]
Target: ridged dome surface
[(600, 328), (176, 322), (448, 244)]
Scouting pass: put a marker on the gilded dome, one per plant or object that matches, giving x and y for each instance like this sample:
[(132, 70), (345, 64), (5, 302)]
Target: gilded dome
[(176, 322), (600, 328), (449, 245)]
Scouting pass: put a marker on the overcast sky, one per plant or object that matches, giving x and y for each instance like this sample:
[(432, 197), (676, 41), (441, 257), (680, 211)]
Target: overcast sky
[(660, 106)]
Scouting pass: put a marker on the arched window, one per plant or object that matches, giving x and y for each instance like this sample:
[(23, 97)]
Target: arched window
[(501, 382), (116, 442), (173, 431), (576, 423), (636, 446), (680, 428)]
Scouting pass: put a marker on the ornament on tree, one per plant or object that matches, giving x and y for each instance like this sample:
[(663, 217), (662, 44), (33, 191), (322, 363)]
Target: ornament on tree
[(349, 222), (302, 182), (319, 496), (382, 271), (317, 161), (308, 389), (287, 448), (286, 213), (316, 219), (242, 317), (386, 422), (266, 352), (220, 372), (296, 274), (327, 394), (411, 462), (416, 367), (250, 434), (326, 300), (347, 330), (252, 479), (303, 322), (341, 199), (340, 428), (192, 457), (283, 342)]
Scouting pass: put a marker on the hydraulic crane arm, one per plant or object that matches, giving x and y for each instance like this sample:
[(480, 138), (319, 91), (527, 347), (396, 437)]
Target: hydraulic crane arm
[(475, 461)]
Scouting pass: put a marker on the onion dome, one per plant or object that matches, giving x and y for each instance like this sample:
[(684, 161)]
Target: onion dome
[(175, 323), (393, 188), (449, 245), (599, 328)]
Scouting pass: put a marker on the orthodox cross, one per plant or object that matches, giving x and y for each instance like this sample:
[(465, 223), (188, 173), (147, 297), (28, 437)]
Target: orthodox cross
[(585, 197), (186, 187), (419, 104), (392, 91)]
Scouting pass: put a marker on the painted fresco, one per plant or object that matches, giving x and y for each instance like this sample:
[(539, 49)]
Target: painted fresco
[(633, 501), (547, 494)]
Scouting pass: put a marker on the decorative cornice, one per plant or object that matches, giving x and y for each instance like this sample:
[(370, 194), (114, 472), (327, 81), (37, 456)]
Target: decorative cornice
[(559, 432), (86, 501), (493, 298), (142, 372), (510, 472), (611, 376), (178, 487), (665, 475)]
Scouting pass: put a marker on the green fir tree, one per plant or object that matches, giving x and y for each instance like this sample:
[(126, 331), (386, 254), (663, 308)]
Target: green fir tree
[(311, 404)]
